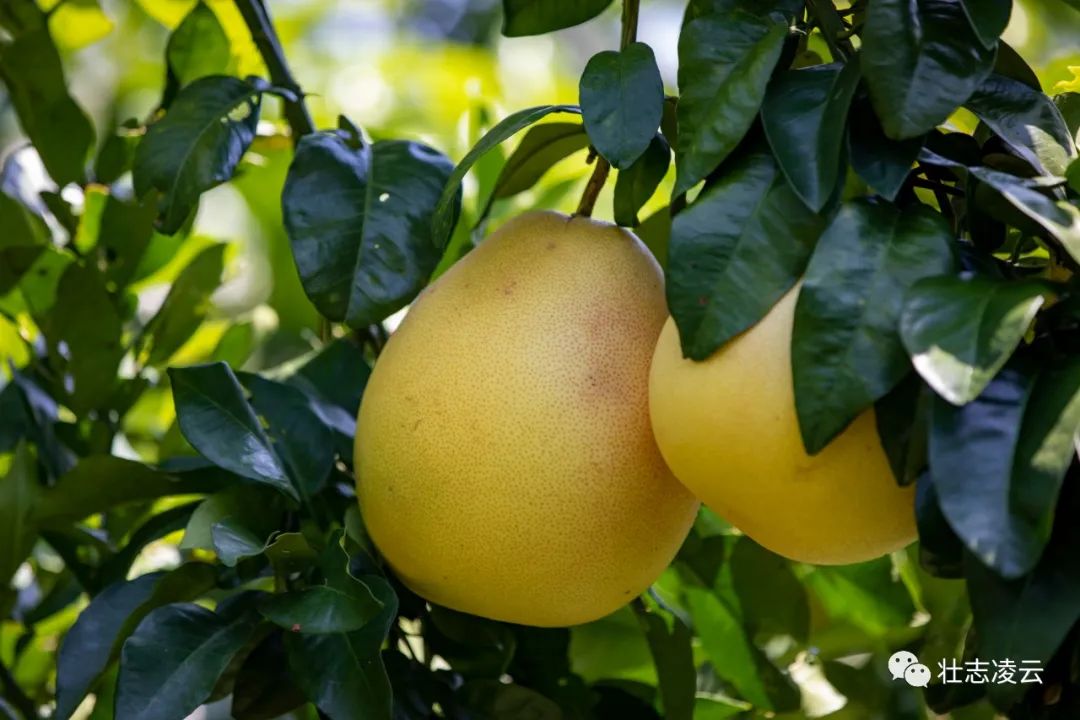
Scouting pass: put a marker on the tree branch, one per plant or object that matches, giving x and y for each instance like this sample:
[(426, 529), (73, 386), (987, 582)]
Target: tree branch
[(257, 18)]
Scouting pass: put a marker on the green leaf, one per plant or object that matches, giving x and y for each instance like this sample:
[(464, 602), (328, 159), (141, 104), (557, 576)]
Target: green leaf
[(1028, 618), (846, 352), (734, 252), (960, 331), (655, 232), (447, 209), (234, 542), (102, 482), (359, 221), (320, 610), (116, 154), (18, 497), (22, 226), (217, 421), (921, 60), (541, 148), (94, 641), (536, 17), (882, 162), (343, 673), (84, 330), (337, 374), (725, 59), (198, 46), (622, 101), (1059, 218), (197, 145), (673, 656), (244, 515), (637, 183), (805, 115), (868, 595), (185, 307), (940, 551), (902, 416), (771, 599), (734, 658), (124, 236), (61, 132), (988, 19), (495, 699), (264, 688), (1027, 120), (155, 684)]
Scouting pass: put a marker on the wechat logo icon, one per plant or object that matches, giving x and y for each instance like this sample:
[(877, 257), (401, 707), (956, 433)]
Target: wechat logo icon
[(904, 665)]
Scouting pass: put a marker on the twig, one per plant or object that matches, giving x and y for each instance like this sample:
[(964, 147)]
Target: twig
[(257, 18)]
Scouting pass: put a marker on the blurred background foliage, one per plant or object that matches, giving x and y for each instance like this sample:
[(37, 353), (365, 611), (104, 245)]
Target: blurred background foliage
[(439, 71)]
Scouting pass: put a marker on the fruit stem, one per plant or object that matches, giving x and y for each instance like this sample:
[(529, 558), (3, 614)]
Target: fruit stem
[(603, 168)]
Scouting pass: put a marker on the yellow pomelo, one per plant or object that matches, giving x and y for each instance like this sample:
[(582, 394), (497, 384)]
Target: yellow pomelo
[(505, 463), (728, 429)]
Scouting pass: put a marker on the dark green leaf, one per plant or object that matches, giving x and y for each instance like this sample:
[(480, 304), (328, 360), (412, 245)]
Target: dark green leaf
[(988, 18), (655, 232), (1059, 218), (960, 331), (264, 688), (446, 212), (94, 641), (59, 129), (725, 59), (198, 46), (940, 551), (155, 684), (233, 541), (124, 235), (185, 307), (322, 609), (771, 599), (1027, 120), (239, 518), (217, 421), (18, 497), (1068, 104), (536, 17), (736, 251), (868, 595), (541, 147), (359, 220), (197, 145), (846, 352), (921, 60), (882, 162), (502, 701), (805, 115), (673, 656), (902, 417), (23, 226), (116, 154), (622, 101), (1010, 64), (337, 374), (637, 183)]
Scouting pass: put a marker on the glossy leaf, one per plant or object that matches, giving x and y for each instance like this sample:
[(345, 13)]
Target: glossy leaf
[(734, 252), (961, 331), (320, 610), (805, 117), (198, 47), (185, 307), (235, 521), (217, 421), (622, 101), (725, 59), (233, 541), (846, 352), (1027, 120), (447, 209), (197, 145), (672, 652), (543, 146), (156, 685), (988, 18), (902, 417), (18, 497), (921, 60), (637, 183), (882, 162), (60, 130), (359, 220), (337, 374), (536, 17)]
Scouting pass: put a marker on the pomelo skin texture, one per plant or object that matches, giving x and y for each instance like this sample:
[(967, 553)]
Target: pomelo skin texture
[(505, 463), (728, 429)]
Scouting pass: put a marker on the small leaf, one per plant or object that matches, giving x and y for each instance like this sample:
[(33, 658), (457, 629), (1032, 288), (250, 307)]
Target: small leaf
[(155, 684), (359, 220), (1027, 120), (882, 162), (235, 521), (198, 46), (735, 251), (725, 60), (961, 331), (805, 116), (846, 352), (197, 145), (921, 60), (446, 211), (321, 609), (18, 497), (541, 148), (536, 17), (185, 307), (988, 19), (217, 421), (622, 101), (61, 132), (234, 542), (637, 183)]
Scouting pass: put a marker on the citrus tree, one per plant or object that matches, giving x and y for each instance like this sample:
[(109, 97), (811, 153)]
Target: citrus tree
[(895, 160)]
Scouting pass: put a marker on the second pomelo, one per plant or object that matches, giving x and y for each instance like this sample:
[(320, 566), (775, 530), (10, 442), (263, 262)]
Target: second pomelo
[(505, 462), (728, 429)]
